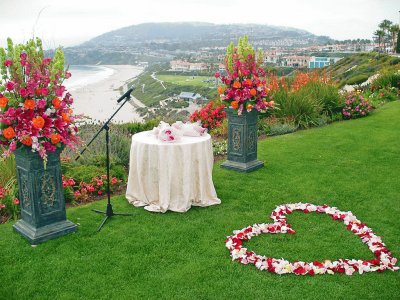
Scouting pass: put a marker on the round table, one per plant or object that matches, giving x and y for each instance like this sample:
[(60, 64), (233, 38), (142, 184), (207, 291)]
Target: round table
[(171, 176)]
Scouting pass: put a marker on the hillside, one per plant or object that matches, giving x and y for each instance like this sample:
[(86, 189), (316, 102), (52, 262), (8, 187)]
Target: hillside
[(356, 68), (155, 42)]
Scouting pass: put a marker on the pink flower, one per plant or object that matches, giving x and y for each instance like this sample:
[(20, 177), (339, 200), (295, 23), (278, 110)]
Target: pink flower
[(99, 192), (16, 201), (41, 104), (217, 75), (45, 91), (7, 63), (23, 92), (10, 85), (67, 74), (114, 180), (77, 193), (59, 91), (2, 205)]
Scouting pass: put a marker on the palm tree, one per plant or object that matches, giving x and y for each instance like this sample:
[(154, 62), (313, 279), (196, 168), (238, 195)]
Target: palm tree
[(394, 30), (385, 26), (379, 34)]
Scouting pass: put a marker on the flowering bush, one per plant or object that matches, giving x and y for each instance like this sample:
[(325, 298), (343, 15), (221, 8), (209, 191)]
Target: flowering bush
[(210, 116), (356, 106), (34, 105), (9, 204), (244, 87), (83, 190)]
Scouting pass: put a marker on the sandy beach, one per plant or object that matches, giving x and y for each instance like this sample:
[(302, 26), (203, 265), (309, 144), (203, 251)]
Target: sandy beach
[(99, 100)]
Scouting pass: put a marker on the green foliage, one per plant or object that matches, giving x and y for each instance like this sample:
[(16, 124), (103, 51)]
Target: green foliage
[(133, 128), (87, 172), (357, 79), (120, 140), (387, 79), (8, 169), (301, 106), (366, 64), (220, 147), (327, 95)]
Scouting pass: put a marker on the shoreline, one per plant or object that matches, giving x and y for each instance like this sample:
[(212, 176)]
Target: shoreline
[(98, 100)]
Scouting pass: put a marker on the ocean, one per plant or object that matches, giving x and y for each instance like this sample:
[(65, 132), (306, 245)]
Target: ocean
[(83, 75)]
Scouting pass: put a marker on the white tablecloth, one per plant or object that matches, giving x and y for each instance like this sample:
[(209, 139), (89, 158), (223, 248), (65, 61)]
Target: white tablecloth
[(170, 176)]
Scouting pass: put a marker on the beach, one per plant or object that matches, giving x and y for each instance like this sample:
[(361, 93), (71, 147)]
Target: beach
[(98, 100)]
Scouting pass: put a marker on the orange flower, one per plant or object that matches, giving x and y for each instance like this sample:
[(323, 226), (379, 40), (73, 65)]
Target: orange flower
[(9, 133), (249, 107), (249, 82), (56, 103), (3, 102), (27, 141), (221, 90), (237, 85), (55, 138), (29, 104), (38, 122), (65, 117), (235, 104), (253, 92)]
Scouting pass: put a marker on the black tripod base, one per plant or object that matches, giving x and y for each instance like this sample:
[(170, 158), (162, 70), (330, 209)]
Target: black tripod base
[(109, 213)]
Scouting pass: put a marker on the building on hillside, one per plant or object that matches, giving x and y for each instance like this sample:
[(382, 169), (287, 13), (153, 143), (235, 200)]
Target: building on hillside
[(320, 62), (296, 61), (187, 96), (181, 65)]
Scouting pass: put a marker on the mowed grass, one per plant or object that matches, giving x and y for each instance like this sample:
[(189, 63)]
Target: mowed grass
[(188, 80), (353, 165)]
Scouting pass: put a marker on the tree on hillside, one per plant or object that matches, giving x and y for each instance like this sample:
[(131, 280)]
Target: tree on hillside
[(385, 26), (398, 43), (394, 30), (379, 35)]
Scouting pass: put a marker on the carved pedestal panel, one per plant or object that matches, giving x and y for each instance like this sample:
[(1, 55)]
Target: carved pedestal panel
[(242, 142), (43, 215)]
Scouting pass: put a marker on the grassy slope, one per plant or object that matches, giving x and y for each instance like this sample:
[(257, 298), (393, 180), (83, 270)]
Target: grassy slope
[(188, 80), (353, 165), (365, 64)]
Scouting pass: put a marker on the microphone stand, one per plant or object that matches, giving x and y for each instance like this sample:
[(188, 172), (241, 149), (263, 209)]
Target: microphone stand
[(109, 210)]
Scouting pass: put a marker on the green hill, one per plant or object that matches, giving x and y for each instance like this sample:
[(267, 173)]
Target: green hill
[(356, 68)]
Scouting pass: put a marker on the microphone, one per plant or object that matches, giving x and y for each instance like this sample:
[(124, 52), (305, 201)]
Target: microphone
[(127, 94)]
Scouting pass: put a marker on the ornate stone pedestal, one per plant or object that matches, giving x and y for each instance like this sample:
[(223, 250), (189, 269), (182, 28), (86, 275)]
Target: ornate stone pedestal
[(242, 142), (41, 196)]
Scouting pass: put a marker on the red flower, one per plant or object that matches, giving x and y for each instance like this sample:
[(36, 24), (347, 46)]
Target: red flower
[(16, 201)]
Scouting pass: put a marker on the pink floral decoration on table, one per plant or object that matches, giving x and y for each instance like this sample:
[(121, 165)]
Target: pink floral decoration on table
[(383, 261), (35, 108), (173, 133)]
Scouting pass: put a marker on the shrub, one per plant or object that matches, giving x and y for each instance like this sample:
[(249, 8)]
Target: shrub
[(88, 172), (300, 106), (220, 147), (387, 79), (133, 128), (282, 128), (356, 106), (8, 169), (210, 116), (327, 95), (357, 79), (9, 203)]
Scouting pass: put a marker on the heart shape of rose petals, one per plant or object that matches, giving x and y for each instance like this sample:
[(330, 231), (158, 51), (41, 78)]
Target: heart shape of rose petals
[(383, 261)]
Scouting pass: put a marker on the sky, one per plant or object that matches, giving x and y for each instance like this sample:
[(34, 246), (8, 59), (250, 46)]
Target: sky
[(71, 22)]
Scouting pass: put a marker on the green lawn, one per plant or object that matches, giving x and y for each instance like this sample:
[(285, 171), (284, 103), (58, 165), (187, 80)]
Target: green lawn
[(353, 165), (188, 80)]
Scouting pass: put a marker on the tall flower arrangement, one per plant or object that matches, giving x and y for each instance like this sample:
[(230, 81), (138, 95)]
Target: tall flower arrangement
[(245, 84), (35, 108)]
